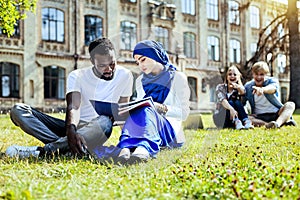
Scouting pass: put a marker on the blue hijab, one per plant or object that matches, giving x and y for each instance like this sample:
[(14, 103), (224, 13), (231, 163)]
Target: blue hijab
[(156, 86)]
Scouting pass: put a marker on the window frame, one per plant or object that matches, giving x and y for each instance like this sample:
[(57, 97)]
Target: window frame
[(17, 31), (280, 30), (129, 1), (212, 94), (212, 9), (90, 28), (193, 83), (281, 60), (13, 74), (162, 36), (235, 51), (59, 80), (51, 21), (213, 53), (128, 32), (188, 7), (253, 48), (233, 13), (189, 44), (254, 17), (269, 29)]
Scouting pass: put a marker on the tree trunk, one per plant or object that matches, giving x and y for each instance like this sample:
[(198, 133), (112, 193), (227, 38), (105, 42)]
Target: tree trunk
[(294, 48)]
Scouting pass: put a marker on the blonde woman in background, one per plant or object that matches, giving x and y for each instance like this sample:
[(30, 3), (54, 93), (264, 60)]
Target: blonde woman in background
[(230, 112)]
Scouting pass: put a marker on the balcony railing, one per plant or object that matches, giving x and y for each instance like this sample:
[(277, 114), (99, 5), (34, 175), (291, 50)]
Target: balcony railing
[(53, 47), (14, 43)]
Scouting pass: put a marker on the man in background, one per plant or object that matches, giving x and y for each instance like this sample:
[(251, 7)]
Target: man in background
[(262, 92)]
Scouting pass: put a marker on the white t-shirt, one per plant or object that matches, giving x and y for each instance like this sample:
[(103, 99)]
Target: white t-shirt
[(262, 105), (93, 88)]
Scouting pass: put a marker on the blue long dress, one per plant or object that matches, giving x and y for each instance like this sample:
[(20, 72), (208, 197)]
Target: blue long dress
[(145, 126)]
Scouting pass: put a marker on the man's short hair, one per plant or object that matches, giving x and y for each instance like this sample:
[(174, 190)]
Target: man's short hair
[(101, 46), (260, 66)]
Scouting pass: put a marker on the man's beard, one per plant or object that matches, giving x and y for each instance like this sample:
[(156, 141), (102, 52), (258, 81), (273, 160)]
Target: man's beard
[(107, 78), (101, 76)]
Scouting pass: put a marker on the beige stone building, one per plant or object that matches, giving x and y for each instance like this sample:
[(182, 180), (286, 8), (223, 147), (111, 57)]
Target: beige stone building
[(202, 37)]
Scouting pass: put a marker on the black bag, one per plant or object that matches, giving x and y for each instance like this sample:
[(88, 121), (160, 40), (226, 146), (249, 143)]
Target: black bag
[(219, 116)]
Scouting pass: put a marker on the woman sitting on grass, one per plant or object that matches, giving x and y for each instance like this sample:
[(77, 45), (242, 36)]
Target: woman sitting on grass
[(147, 129), (230, 112)]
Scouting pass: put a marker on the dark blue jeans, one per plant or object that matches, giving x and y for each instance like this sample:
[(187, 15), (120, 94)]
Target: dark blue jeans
[(239, 107)]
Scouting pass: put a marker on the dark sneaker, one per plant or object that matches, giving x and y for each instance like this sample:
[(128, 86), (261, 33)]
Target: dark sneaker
[(22, 151), (272, 125), (290, 123)]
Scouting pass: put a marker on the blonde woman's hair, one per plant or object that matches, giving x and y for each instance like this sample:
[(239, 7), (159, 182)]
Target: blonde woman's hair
[(260, 66), (239, 74)]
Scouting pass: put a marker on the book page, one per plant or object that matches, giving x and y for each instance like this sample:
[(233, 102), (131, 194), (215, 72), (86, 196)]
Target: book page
[(120, 111), (125, 107)]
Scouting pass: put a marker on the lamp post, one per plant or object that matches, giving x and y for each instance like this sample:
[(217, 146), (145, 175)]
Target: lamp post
[(76, 57)]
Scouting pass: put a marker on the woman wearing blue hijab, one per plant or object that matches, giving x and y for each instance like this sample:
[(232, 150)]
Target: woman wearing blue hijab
[(147, 130)]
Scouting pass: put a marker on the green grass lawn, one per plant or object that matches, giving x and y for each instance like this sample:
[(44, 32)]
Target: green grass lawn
[(213, 164)]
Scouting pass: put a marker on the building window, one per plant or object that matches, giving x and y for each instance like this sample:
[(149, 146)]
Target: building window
[(54, 82), (188, 7), (129, 1), (254, 17), (280, 31), (203, 85), (128, 35), (213, 48), (253, 47), (193, 87), (281, 62), (10, 76), (235, 51), (212, 93), (31, 88), (234, 14), (53, 27), (189, 45), (212, 9), (16, 32), (269, 29), (162, 36), (93, 28)]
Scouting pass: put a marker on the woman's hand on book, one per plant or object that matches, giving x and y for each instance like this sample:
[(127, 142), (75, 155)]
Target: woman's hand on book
[(161, 108)]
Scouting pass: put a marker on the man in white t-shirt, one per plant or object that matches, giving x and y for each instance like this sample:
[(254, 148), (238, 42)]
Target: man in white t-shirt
[(263, 95), (104, 81)]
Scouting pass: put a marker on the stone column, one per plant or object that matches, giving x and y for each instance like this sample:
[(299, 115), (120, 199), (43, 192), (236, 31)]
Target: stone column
[(32, 77)]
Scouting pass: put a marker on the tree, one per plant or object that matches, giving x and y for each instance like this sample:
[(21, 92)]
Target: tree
[(268, 44), (13, 10), (294, 51)]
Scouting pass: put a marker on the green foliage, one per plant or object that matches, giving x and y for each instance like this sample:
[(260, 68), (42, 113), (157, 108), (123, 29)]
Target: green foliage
[(13, 10), (213, 164)]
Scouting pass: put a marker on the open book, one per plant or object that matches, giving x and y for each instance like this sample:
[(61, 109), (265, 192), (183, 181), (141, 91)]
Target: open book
[(120, 111), (125, 107)]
